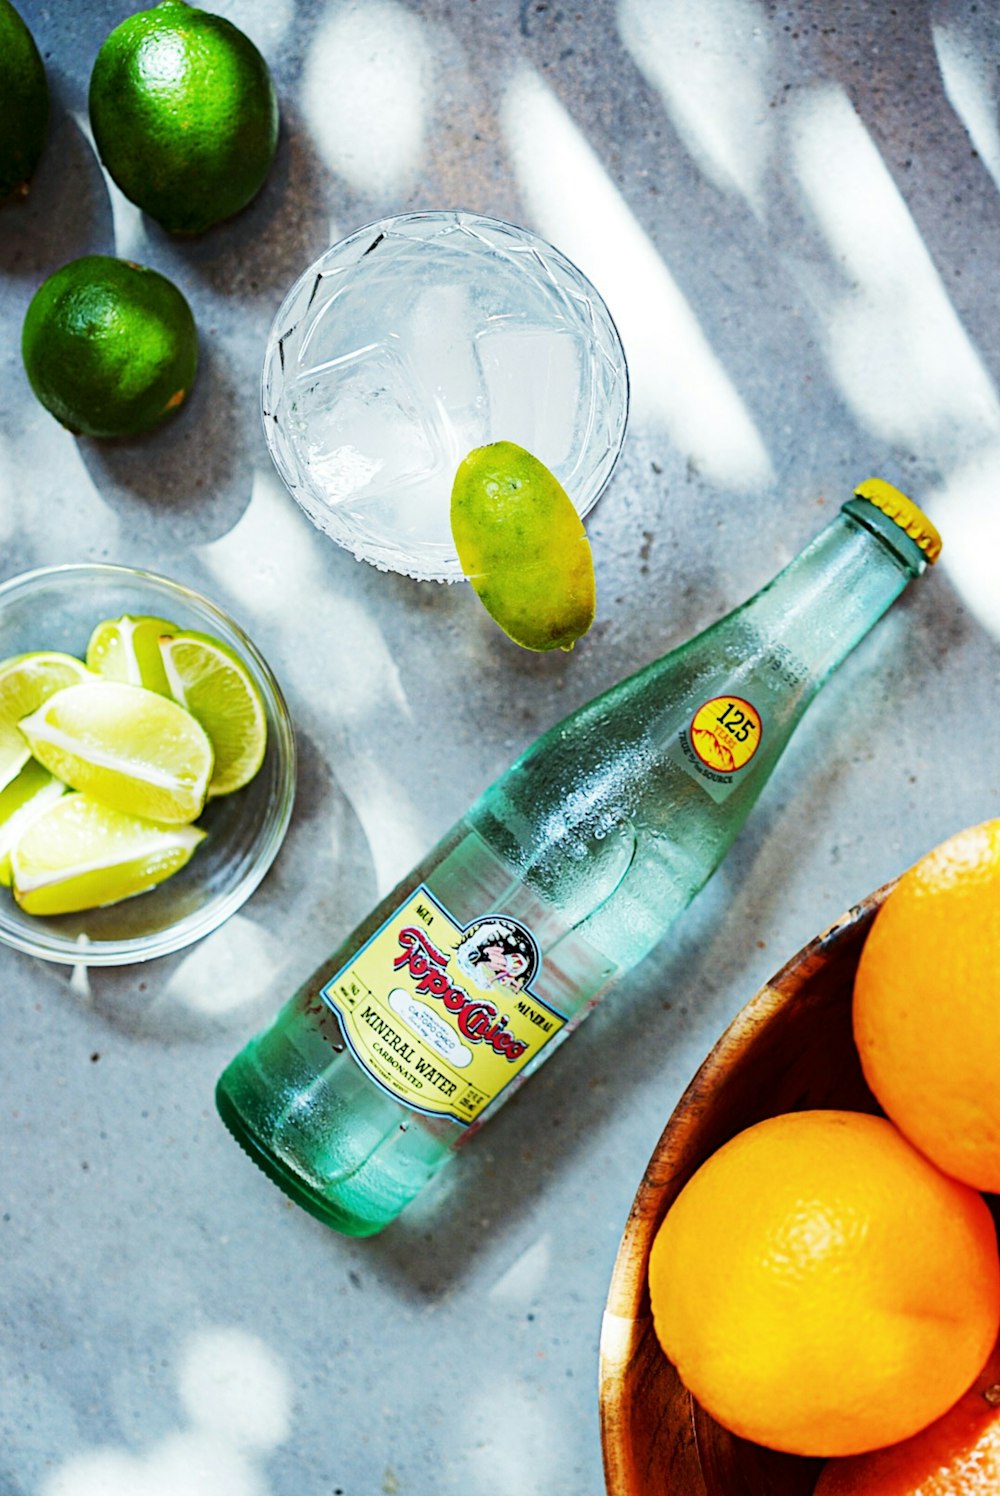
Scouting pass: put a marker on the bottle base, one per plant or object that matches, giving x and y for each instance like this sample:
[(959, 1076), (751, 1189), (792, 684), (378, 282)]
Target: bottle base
[(296, 1188)]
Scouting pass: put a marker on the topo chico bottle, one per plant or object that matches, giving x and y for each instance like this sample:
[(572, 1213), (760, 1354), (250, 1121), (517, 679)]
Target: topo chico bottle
[(561, 876)]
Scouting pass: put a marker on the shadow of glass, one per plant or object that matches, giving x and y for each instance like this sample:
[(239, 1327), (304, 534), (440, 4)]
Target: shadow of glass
[(67, 210), (265, 247), (432, 605), (232, 1409), (188, 472)]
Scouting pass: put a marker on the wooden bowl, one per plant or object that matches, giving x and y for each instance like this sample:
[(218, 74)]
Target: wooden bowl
[(790, 1049)]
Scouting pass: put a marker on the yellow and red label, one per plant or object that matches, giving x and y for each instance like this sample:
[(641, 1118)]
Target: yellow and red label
[(725, 733), (718, 742), (442, 1015)]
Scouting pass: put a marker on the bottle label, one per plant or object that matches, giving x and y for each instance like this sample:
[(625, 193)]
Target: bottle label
[(719, 742), (443, 1016)]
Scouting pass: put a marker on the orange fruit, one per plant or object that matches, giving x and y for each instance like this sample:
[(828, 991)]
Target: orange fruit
[(958, 1455), (927, 1006), (822, 1288)]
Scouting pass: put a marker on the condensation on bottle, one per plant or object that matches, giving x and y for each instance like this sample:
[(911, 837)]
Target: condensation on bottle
[(560, 878)]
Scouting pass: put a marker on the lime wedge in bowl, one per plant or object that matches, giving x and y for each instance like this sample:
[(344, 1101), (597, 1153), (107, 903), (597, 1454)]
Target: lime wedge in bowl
[(58, 608), (210, 681), (25, 682), (128, 650), (81, 854), (22, 801), (129, 748)]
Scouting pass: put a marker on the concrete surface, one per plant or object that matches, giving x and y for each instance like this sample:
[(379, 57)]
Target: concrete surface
[(793, 211)]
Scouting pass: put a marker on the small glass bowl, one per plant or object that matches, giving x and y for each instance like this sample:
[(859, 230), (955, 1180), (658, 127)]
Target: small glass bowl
[(57, 608), (417, 339)]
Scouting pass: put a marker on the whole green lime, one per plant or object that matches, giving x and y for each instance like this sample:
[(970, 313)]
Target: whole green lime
[(184, 115), (110, 348), (24, 102)]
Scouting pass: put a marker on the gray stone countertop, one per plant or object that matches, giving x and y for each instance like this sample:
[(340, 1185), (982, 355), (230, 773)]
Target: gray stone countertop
[(792, 210)]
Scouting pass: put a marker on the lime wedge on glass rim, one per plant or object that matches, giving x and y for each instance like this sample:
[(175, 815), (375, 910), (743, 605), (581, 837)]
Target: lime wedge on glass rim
[(210, 681), (133, 750), (523, 547), (22, 801), (25, 682), (81, 854), (128, 650)]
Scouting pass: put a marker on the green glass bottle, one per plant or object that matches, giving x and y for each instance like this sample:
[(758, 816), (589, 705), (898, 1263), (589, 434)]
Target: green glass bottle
[(562, 876)]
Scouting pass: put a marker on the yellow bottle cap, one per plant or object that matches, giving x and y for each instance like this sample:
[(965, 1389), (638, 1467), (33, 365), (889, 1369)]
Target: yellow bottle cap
[(903, 512)]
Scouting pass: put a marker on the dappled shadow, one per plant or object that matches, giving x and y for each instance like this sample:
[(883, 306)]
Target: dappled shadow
[(903, 105), (727, 93), (235, 1397)]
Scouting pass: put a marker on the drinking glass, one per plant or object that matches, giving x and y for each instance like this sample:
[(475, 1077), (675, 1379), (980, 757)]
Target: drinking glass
[(415, 340)]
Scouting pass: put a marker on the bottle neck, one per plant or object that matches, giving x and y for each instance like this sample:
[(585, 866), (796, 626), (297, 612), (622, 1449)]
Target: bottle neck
[(826, 599)]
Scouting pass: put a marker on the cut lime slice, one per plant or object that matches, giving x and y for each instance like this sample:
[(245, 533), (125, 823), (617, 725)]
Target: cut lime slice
[(127, 747), (523, 547), (208, 679), (81, 855), (25, 682), (21, 802), (128, 650)]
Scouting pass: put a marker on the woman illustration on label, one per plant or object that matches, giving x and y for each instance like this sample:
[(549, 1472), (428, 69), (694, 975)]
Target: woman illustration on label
[(498, 953)]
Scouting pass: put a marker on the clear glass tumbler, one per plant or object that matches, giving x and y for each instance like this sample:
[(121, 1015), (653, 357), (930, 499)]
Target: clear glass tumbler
[(416, 339)]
